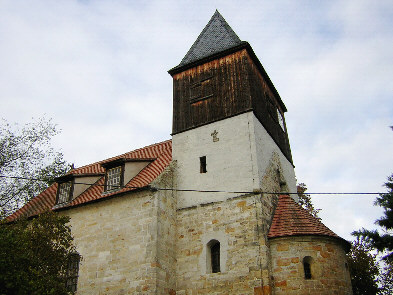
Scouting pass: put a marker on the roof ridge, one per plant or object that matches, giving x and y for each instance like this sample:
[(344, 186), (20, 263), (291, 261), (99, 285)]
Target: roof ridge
[(105, 160)]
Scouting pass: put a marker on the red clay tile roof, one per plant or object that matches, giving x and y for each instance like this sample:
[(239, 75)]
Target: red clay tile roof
[(160, 155), (290, 219)]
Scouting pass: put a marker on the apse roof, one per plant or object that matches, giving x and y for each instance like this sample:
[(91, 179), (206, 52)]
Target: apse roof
[(290, 219), (216, 37)]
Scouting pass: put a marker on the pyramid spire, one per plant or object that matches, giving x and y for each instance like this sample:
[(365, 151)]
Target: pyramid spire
[(217, 36)]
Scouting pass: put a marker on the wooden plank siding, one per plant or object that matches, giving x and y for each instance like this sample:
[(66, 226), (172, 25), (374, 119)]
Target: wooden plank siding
[(227, 95), (265, 105), (222, 88)]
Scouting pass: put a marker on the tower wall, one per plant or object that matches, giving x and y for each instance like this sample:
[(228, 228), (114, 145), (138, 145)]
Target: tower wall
[(268, 107), (241, 157), (225, 87), (211, 91), (234, 224), (236, 162), (228, 161), (266, 153)]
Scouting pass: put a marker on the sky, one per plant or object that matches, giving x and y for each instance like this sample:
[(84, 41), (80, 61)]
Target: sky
[(99, 70)]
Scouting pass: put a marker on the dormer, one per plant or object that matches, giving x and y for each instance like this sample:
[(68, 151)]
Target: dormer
[(70, 186), (119, 172)]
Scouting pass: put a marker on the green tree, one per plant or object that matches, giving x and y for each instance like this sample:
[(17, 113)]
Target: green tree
[(383, 242), (364, 269), (28, 163), (305, 200), (386, 280), (34, 255)]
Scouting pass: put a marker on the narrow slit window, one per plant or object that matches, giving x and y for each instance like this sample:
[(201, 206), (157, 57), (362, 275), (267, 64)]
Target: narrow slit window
[(215, 256), (202, 161), (307, 267)]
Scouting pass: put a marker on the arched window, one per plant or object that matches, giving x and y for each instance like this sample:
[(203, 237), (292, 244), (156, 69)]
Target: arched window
[(214, 253), (307, 267)]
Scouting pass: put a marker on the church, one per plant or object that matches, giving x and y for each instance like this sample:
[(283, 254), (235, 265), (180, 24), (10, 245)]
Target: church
[(213, 210)]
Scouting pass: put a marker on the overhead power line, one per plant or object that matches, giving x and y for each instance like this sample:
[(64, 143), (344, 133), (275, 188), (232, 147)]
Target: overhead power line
[(202, 191)]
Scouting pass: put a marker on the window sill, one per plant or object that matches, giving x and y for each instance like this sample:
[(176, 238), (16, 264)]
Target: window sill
[(61, 205), (111, 191)]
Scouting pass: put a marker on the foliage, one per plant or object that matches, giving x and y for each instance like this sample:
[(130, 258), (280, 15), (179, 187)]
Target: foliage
[(386, 280), (364, 269), (382, 242), (34, 255), (305, 200), (25, 156)]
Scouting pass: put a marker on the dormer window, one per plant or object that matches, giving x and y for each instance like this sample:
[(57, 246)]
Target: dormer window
[(119, 172), (64, 192), (113, 178)]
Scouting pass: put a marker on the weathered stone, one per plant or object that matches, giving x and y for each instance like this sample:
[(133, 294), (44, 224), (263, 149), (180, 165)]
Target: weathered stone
[(328, 272)]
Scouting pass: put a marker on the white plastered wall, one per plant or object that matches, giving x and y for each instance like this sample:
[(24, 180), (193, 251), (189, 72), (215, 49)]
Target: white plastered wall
[(229, 164), (82, 183), (132, 168), (264, 149), (235, 163)]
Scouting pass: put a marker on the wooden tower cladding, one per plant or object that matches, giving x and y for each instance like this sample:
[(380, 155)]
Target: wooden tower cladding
[(227, 84)]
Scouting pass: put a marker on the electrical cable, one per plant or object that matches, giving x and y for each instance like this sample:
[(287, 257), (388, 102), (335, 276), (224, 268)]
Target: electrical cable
[(204, 191)]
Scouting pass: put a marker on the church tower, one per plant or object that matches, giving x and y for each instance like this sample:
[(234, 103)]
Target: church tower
[(228, 119), (231, 151)]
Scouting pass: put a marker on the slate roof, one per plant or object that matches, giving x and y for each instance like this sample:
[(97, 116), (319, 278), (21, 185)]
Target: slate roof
[(290, 219), (160, 155), (216, 37)]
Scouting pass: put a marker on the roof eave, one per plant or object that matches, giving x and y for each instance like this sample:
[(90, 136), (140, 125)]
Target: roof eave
[(114, 195), (346, 244)]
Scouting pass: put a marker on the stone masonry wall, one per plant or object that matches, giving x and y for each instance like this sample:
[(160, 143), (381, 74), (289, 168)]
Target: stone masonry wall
[(241, 225), (117, 240), (329, 270), (234, 224), (166, 232)]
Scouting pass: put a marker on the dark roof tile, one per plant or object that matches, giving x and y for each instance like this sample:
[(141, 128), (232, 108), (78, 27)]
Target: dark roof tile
[(217, 36)]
